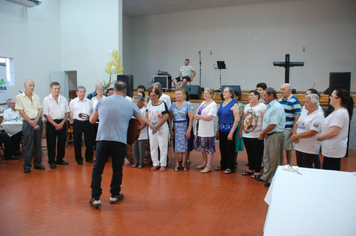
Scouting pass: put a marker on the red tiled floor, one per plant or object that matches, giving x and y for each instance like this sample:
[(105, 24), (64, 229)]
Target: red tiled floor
[(55, 202)]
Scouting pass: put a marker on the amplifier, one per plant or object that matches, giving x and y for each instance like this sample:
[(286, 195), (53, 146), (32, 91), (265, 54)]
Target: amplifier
[(165, 80)]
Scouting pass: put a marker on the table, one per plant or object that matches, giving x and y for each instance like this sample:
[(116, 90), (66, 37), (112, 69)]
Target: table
[(12, 127), (318, 202)]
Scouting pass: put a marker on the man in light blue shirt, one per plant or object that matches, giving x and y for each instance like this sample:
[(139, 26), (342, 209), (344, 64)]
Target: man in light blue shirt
[(115, 113), (272, 133)]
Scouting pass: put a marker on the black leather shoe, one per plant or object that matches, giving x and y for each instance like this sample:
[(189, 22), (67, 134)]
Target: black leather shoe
[(27, 170), (61, 162), (53, 166), (267, 184), (10, 158), (40, 167), (90, 161), (259, 179), (80, 163)]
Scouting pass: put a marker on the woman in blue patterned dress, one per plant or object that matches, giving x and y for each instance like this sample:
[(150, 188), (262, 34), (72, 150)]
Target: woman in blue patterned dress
[(229, 118), (181, 114)]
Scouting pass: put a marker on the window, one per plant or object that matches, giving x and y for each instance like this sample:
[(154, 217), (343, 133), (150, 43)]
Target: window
[(6, 72)]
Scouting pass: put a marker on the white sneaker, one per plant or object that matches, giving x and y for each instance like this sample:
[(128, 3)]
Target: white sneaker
[(114, 199), (127, 162), (95, 203)]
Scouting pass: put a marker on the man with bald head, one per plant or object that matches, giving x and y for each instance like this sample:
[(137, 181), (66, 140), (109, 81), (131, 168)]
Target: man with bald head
[(292, 111), (29, 106)]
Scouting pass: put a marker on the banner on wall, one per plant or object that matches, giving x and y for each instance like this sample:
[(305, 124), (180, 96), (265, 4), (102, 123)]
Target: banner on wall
[(4, 93)]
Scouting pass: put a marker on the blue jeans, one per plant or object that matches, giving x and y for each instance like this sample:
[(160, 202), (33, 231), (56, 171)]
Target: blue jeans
[(105, 149)]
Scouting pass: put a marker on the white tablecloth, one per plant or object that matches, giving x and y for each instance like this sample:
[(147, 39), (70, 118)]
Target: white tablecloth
[(12, 127), (318, 202)]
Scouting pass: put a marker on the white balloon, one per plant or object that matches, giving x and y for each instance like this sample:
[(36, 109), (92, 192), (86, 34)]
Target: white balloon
[(110, 53), (113, 69)]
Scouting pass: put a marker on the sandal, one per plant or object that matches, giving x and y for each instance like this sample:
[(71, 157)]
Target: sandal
[(140, 166), (163, 168), (201, 166), (255, 175), (154, 167), (248, 173), (188, 162), (184, 168), (227, 171), (134, 166), (206, 170), (218, 168), (176, 168)]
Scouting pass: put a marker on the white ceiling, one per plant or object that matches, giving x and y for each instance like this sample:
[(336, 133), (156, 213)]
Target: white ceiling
[(147, 7)]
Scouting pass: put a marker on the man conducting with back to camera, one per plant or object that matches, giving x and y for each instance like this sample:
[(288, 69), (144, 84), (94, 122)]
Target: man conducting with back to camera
[(115, 113)]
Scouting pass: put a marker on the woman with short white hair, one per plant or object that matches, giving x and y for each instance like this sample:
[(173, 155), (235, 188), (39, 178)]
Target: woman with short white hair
[(204, 141), (308, 127)]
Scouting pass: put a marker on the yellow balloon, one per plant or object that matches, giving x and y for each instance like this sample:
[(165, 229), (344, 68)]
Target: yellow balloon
[(114, 53), (108, 70), (117, 59), (121, 69), (111, 63), (116, 64)]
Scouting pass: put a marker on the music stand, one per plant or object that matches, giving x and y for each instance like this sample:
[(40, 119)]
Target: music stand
[(220, 66)]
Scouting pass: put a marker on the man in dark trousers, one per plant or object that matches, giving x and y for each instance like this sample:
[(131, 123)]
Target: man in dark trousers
[(29, 106), (115, 113), (56, 111)]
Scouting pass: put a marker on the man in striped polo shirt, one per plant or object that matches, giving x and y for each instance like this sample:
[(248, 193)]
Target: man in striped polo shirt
[(292, 111)]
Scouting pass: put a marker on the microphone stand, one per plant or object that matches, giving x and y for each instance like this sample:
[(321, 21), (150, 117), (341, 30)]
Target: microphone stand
[(200, 68)]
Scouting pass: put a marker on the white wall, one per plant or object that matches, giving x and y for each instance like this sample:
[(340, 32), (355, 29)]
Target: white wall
[(126, 55), (88, 32), (249, 38), (31, 36)]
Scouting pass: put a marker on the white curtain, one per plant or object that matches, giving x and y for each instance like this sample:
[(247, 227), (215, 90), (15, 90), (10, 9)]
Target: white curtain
[(62, 78)]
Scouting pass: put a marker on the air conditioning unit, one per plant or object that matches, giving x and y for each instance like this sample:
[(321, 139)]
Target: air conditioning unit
[(26, 3)]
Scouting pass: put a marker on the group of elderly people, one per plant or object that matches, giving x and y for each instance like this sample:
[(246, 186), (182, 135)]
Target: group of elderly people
[(237, 125), (309, 130)]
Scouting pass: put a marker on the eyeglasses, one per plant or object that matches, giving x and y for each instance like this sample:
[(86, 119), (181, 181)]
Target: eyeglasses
[(332, 95)]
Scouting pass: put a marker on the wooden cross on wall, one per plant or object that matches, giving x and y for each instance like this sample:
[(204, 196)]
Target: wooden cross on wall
[(287, 64)]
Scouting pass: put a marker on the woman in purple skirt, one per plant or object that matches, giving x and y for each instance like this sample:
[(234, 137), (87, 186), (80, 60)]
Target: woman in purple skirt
[(204, 130)]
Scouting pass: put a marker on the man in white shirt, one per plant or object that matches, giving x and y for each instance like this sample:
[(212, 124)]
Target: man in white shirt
[(186, 73), (56, 111), (13, 115), (80, 111), (8, 104)]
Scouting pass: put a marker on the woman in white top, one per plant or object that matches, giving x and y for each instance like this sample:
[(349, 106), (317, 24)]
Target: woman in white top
[(307, 127), (158, 114), (252, 126), (334, 130), (99, 89), (139, 147), (204, 141)]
